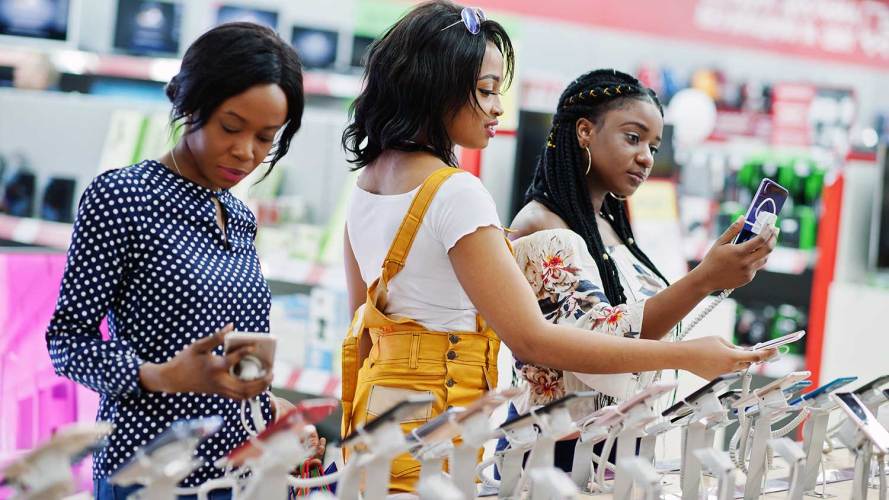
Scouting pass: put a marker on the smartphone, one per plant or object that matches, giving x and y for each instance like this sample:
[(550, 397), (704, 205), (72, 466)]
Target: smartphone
[(864, 419), (439, 428), (778, 342), (263, 343), (393, 414), (680, 405), (790, 378), (824, 389), (488, 402), (523, 419), (309, 411), (769, 197), (717, 384), (179, 433), (873, 384)]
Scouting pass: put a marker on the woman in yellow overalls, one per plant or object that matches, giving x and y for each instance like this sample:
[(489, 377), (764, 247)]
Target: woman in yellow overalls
[(426, 238)]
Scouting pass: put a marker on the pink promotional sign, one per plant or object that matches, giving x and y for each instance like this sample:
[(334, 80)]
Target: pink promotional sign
[(34, 401), (844, 31)]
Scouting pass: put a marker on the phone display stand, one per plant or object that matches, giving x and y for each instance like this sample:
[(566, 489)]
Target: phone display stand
[(873, 400), (161, 470), (795, 457), (553, 425), (45, 472), (814, 436), (863, 450), (509, 461), (591, 433), (772, 407), (719, 463), (271, 470), (699, 432), (383, 444), (640, 476), (632, 427), (475, 431), (550, 483), (437, 487)]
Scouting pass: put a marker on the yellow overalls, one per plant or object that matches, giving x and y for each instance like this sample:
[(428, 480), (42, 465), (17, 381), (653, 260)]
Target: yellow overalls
[(398, 356)]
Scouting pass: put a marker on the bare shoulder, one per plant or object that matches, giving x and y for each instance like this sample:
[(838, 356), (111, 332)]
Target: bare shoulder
[(533, 217)]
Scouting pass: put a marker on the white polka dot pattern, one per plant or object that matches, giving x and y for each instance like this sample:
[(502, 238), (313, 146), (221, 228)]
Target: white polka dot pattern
[(148, 253)]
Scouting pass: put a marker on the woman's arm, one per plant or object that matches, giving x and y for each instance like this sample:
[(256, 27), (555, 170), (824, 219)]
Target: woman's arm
[(726, 266), (354, 282), (489, 275)]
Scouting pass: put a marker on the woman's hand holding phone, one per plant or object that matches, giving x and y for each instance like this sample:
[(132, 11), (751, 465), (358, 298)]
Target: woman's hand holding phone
[(197, 369), (709, 357), (727, 266)]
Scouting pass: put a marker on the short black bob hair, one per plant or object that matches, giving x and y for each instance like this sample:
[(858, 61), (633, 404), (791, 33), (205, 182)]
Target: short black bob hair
[(418, 76), (228, 60)]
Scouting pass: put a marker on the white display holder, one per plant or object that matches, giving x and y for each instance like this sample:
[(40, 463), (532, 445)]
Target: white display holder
[(642, 477), (164, 462), (549, 483), (772, 407), (632, 427), (270, 472), (45, 472), (554, 425), (814, 436), (719, 463), (592, 432), (509, 461), (795, 457), (383, 444), (476, 430), (699, 432), (436, 487)]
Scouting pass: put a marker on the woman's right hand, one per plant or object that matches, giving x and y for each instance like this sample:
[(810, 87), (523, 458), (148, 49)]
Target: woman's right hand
[(197, 369), (728, 266), (709, 357)]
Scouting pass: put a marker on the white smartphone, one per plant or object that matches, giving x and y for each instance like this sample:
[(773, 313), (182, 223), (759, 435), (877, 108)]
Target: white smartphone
[(790, 378), (264, 344), (864, 419), (778, 342)]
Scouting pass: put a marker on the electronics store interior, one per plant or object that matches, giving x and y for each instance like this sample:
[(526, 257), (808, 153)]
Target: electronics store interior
[(629, 250)]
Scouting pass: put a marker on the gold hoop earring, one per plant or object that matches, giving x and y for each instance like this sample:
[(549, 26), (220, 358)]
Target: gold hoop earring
[(589, 162), (616, 197)]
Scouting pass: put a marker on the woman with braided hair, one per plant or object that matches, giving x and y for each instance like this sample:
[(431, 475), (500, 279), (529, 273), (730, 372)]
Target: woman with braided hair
[(574, 242)]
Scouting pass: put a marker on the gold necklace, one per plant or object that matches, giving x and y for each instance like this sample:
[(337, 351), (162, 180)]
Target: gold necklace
[(175, 164)]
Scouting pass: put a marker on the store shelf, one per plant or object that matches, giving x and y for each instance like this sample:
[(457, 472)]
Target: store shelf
[(37, 232)]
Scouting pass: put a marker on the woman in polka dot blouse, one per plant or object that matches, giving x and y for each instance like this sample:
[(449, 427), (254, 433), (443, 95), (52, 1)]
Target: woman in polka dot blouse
[(165, 252)]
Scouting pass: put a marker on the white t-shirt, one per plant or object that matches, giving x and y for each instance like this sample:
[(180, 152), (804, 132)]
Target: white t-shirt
[(426, 290)]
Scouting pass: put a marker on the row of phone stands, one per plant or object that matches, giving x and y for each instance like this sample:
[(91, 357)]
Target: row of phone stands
[(628, 431)]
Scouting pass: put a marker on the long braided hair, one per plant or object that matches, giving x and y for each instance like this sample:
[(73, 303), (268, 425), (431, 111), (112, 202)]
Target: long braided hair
[(559, 181)]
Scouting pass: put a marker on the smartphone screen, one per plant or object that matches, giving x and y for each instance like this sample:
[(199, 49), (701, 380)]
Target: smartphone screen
[(770, 197), (778, 342), (864, 419)]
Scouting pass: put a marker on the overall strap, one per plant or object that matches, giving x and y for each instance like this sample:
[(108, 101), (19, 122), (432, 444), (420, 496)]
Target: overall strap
[(410, 225)]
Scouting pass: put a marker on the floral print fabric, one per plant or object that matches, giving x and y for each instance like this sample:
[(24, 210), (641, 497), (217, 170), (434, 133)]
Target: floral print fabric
[(569, 291)]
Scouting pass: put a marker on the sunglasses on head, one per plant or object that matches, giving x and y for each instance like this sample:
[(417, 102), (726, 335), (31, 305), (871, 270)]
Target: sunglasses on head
[(472, 18)]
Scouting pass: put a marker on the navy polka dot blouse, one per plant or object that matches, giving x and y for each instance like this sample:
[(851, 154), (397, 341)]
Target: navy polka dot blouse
[(148, 253)]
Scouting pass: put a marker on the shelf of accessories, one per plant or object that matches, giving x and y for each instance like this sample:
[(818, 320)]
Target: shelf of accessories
[(159, 69), (37, 232)]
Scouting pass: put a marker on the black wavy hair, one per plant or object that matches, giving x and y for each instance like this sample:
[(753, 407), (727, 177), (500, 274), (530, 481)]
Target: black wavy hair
[(228, 60), (560, 177), (419, 74)]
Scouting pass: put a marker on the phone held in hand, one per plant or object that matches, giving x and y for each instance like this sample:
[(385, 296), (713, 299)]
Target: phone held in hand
[(769, 198), (778, 342)]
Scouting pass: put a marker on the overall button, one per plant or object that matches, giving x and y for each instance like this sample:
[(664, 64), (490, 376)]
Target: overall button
[(454, 339), (452, 355), (450, 382)]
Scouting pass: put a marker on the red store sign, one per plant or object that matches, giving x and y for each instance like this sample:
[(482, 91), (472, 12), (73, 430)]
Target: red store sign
[(845, 31)]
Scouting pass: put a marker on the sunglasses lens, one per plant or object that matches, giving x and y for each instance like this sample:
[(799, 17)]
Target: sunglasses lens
[(471, 20), (481, 14)]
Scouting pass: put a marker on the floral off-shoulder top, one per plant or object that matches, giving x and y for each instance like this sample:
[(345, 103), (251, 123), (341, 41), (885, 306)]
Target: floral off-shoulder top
[(569, 290)]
